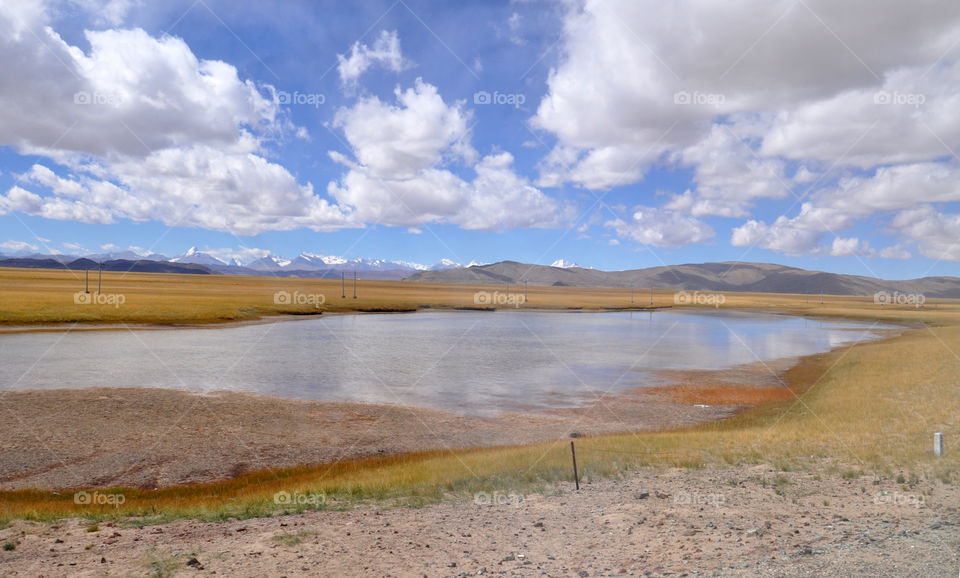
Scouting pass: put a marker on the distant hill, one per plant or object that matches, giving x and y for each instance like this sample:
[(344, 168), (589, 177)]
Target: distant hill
[(729, 276), (138, 266)]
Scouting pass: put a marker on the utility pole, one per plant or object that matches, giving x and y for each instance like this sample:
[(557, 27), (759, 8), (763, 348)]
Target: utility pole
[(354, 284), (651, 297), (343, 287), (631, 296), (99, 277), (86, 281), (524, 291)]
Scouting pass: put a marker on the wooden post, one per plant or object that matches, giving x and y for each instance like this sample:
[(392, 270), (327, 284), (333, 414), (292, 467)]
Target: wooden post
[(99, 277), (354, 284), (938, 444), (651, 297), (343, 286), (576, 477), (86, 282)]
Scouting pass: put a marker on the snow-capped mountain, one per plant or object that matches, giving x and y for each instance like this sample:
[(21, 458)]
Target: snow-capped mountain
[(269, 263), (131, 256), (198, 257), (562, 264), (476, 264), (444, 264), (307, 262)]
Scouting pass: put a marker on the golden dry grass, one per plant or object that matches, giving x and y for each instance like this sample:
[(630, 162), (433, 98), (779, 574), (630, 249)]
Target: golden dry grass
[(870, 407)]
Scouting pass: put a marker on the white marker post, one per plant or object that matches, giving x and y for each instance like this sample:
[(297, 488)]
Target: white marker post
[(938, 444)]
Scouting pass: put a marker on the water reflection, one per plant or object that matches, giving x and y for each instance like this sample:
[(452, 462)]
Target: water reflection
[(469, 362)]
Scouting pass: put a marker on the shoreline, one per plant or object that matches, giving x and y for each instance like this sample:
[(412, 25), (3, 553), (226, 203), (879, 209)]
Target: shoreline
[(221, 435)]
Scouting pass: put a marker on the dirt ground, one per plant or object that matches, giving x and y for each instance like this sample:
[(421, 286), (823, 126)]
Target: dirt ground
[(148, 438), (735, 521)]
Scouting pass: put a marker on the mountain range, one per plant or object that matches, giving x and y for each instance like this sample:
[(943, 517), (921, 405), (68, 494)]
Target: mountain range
[(196, 261), (729, 276)]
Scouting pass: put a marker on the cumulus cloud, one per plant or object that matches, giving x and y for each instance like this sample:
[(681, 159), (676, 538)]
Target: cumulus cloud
[(662, 228), (18, 246), (763, 100), (385, 52), (401, 171), (640, 76), (936, 234), (729, 176), (148, 131)]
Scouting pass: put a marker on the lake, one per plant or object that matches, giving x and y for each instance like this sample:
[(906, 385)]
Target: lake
[(470, 362)]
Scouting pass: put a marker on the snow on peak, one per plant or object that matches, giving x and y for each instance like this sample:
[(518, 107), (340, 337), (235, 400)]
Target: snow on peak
[(564, 264), (443, 264)]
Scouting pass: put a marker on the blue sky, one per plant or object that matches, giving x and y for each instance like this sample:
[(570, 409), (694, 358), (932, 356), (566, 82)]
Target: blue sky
[(616, 134)]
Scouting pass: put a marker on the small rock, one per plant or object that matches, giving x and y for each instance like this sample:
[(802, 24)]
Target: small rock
[(194, 563)]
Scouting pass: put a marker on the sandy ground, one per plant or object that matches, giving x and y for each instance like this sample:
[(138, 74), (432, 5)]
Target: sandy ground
[(150, 438), (736, 521)]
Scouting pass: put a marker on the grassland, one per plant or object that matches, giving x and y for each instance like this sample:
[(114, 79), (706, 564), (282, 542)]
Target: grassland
[(47, 297), (868, 408)]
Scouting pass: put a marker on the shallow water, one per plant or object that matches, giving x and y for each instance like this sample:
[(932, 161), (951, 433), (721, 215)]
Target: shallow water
[(475, 363)]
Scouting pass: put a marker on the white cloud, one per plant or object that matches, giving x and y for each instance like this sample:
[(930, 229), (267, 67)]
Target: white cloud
[(18, 246), (729, 176), (640, 82), (638, 78), (796, 236), (936, 234), (402, 173), (111, 12), (384, 52), (662, 228), (150, 131)]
